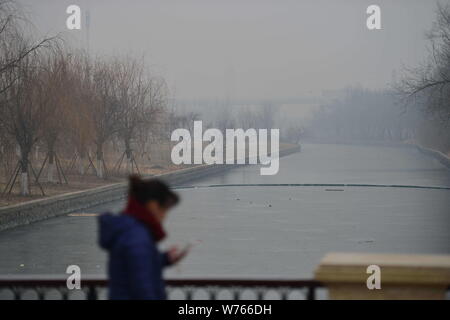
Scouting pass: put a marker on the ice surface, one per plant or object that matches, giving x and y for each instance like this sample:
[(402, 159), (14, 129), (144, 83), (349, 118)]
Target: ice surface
[(271, 231)]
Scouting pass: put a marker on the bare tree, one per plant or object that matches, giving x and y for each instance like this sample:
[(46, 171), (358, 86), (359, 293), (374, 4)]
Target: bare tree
[(79, 112), (106, 111), (24, 110), (22, 95), (141, 98), (430, 82), (56, 76), (14, 45)]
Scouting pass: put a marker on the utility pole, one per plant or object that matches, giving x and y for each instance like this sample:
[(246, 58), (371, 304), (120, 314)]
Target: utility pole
[(88, 33)]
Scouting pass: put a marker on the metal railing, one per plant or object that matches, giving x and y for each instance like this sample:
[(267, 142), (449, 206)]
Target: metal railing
[(179, 289)]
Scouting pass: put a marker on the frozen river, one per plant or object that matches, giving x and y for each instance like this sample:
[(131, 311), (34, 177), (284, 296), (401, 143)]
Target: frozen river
[(271, 231)]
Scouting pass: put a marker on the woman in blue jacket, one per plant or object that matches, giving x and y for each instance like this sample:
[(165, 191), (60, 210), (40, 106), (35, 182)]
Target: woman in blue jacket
[(135, 264)]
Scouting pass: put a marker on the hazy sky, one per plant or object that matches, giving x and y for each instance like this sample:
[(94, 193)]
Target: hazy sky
[(252, 48)]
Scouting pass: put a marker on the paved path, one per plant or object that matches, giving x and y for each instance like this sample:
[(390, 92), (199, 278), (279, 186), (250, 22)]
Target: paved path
[(270, 231)]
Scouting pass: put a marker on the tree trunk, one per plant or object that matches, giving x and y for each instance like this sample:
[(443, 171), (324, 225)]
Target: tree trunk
[(129, 161), (81, 162), (24, 181), (100, 167), (81, 166), (24, 184), (51, 167)]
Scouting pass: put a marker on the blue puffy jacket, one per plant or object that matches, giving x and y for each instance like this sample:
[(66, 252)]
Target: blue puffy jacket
[(135, 263)]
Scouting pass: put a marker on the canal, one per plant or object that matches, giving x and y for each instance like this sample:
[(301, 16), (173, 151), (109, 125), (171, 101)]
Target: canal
[(270, 226)]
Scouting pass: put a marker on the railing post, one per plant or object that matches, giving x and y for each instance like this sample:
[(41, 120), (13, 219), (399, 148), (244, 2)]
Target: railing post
[(259, 293), (212, 294), (311, 294), (92, 293), (189, 294), (41, 293), (17, 294)]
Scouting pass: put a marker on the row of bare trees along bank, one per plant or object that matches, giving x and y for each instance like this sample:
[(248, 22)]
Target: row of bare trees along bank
[(62, 111)]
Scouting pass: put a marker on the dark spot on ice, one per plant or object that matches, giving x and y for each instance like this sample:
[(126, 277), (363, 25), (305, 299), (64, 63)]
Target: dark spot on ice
[(366, 241)]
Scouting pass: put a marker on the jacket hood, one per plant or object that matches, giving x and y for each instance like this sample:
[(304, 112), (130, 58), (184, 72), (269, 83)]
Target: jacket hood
[(111, 227)]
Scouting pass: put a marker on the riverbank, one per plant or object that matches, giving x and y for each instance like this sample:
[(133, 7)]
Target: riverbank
[(36, 210), (76, 183), (443, 158)]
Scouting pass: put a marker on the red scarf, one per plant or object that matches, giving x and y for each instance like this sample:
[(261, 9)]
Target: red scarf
[(140, 212)]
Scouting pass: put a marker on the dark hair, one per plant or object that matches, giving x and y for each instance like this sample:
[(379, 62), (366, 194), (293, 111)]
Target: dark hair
[(153, 189)]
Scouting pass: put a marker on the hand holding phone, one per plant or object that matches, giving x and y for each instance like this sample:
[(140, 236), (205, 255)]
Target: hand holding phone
[(175, 254)]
